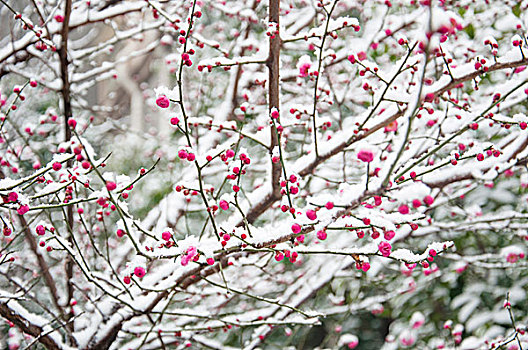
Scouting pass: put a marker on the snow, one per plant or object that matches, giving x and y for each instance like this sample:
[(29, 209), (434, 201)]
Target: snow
[(38, 321), (410, 257), (249, 282), (471, 343)]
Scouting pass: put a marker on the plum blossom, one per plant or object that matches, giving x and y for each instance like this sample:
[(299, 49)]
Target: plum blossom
[(139, 272), (189, 254), (41, 230), (163, 101), (296, 228), (311, 214), (12, 196), (223, 204), (403, 209), (166, 235), (385, 248), (23, 209), (361, 55), (303, 69), (304, 64), (392, 126), (365, 155)]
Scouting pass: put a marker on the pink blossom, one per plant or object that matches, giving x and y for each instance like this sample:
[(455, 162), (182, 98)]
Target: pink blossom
[(139, 272), (361, 55), (311, 214), (182, 154), (388, 235), (230, 153), (429, 97), (296, 228), (192, 251), (41, 230), (189, 254), (365, 266), (303, 69), (385, 248), (166, 235), (321, 235), (428, 200), (72, 123), (56, 166), (512, 258), (12, 196), (185, 260), (365, 155), (163, 101), (223, 204), (392, 126), (23, 209), (431, 122), (403, 209)]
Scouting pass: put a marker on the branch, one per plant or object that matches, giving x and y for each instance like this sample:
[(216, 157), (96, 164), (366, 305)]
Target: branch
[(273, 68), (66, 100), (28, 327), (44, 268)]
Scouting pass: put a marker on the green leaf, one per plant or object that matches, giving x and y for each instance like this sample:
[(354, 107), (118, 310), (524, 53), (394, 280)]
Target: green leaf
[(470, 30), (517, 10)]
